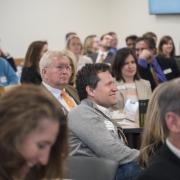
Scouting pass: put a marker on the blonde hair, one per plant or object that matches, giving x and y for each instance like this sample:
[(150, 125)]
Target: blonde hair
[(70, 39), (88, 43), (154, 134)]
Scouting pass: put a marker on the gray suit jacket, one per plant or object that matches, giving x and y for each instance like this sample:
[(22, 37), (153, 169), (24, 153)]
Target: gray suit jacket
[(90, 137)]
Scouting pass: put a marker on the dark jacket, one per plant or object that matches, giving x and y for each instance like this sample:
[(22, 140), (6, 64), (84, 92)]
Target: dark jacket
[(30, 75), (169, 67), (165, 165)]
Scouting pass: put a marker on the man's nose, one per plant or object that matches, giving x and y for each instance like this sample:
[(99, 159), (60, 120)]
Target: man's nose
[(114, 88)]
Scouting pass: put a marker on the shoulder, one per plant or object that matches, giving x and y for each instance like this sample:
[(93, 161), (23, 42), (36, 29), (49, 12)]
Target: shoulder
[(84, 112), (143, 81), (3, 62)]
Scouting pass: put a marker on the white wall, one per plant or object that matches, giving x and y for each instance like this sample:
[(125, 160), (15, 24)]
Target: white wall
[(132, 16), (23, 21)]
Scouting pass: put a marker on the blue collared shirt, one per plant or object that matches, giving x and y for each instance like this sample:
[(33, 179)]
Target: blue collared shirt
[(143, 63)]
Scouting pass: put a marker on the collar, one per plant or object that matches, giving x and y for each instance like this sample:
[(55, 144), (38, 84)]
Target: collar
[(104, 110), (54, 91), (173, 149), (104, 53)]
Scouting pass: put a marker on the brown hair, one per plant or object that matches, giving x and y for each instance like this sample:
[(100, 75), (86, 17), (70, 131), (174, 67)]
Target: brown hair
[(165, 40), (88, 43), (21, 110), (33, 54)]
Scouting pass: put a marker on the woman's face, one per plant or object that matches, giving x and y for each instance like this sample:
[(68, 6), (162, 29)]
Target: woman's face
[(129, 69), (75, 46), (95, 44), (167, 48), (44, 49), (35, 147)]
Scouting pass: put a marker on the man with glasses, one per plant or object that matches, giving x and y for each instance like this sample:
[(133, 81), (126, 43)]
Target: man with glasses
[(55, 70), (131, 41), (149, 69)]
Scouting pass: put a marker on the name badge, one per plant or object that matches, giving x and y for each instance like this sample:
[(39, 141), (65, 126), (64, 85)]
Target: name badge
[(167, 71), (3, 79)]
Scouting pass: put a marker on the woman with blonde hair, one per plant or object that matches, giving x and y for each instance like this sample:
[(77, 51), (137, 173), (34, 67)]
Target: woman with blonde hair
[(74, 48), (153, 135), (91, 45)]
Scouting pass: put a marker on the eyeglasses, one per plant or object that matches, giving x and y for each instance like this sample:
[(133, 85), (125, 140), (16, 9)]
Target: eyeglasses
[(139, 49), (63, 67)]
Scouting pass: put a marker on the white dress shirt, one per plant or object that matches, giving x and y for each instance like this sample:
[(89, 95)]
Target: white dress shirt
[(174, 149), (57, 94)]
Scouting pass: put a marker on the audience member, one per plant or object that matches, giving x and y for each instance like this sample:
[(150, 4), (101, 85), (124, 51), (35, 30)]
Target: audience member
[(149, 68), (91, 45), (150, 34), (8, 58), (33, 138), (165, 163), (166, 57), (7, 74), (104, 55), (131, 41), (91, 131), (69, 34), (74, 46), (71, 57), (153, 135), (55, 69), (30, 71), (114, 42), (130, 86)]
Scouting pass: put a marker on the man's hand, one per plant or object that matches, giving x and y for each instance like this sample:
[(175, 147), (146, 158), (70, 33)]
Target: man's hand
[(147, 55)]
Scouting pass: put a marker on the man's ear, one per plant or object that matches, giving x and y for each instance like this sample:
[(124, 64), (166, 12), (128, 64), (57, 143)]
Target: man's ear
[(90, 91), (173, 122)]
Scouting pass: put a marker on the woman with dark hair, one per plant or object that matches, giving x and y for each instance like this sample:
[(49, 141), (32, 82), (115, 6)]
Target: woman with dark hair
[(166, 58), (130, 86), (30, 71), (33, 138)]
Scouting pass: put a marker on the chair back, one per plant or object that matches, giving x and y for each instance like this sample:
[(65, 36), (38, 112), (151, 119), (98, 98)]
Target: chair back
[(90, 168)]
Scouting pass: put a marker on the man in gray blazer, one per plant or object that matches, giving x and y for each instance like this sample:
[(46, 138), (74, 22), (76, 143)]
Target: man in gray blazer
[(91, 131)]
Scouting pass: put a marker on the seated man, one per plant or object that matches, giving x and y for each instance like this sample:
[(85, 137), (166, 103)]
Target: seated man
[(104, 55), (55, 70), (91, 130), (149, 68), (165, 164), (7, 74)]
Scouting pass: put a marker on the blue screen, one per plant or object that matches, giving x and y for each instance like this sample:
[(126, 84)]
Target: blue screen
[(164, 6)]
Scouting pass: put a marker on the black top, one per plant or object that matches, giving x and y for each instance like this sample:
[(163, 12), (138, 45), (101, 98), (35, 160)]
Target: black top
[(30, 75), (168, 66), (164, 165)]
